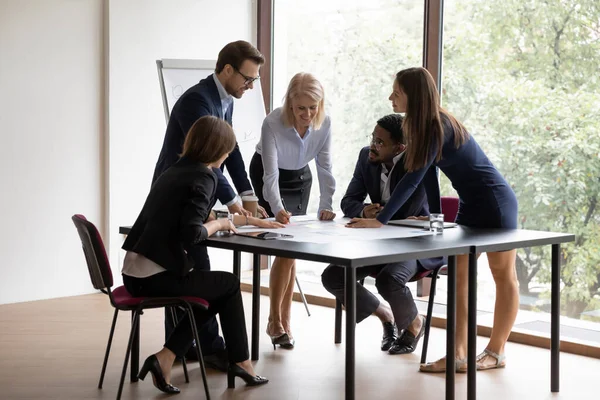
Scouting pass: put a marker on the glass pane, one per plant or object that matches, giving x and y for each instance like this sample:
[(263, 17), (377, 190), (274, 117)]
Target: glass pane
[(523, 77), (354, 48)]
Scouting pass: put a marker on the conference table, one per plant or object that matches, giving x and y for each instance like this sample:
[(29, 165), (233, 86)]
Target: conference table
[(352, 254)]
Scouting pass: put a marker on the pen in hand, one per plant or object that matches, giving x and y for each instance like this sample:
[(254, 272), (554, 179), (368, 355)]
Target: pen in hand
[(287, 213)]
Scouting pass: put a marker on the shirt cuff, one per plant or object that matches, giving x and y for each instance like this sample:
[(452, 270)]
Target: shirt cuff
[(247, 193), (236, 199)]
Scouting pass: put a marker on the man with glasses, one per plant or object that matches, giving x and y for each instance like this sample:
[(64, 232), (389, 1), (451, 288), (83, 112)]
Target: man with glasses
[(236, 72), (378, 170)]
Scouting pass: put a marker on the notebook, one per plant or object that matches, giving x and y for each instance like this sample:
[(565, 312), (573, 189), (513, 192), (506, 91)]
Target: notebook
[(417, 223)]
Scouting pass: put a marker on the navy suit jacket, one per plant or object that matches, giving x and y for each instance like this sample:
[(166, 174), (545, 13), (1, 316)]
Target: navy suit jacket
[(198, 101), (367, 180)]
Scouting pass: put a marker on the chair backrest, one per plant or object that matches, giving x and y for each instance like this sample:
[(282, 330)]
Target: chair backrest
[(95, 253), (449, 208)]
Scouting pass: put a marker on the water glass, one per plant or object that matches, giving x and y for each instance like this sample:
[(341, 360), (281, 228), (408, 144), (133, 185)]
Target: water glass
[(436, 223)]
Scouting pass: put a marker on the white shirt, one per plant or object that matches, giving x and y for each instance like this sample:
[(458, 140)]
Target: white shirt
[(282, 147), (139, 266), (226, 102), (385, 182), (226, 98)]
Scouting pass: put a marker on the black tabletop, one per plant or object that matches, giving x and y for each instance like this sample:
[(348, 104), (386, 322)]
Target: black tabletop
[(453, 241)]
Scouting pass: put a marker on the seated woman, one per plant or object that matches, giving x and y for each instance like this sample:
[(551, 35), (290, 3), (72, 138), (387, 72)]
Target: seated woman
[(175, 219), (292, 136)]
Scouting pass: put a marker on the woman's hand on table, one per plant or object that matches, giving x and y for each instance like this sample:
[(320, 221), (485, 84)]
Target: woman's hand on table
[(326, 215), (364, 223)]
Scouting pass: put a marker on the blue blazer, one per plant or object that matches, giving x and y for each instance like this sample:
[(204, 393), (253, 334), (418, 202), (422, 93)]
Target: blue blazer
[(366, 181), (200, 100)]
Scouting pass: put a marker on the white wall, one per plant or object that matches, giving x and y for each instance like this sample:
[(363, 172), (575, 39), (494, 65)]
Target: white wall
[(66, 146), (141, 32), (51, 124)]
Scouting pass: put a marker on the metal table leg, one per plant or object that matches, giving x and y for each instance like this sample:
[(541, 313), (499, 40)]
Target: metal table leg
[(350, 330), (338, 322), (451, 329), (472, 333), (255, 305), (237, 263), (555, 321)]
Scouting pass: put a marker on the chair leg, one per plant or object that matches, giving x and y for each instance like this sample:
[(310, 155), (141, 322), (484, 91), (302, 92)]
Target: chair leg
[(110, 338), (134, 325), (183, 362), (434, 278), (302, 295), (338, 322), (198, 350), (135, 351)]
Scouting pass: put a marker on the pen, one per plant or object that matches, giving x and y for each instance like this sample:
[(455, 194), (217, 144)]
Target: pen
[(284, 207)]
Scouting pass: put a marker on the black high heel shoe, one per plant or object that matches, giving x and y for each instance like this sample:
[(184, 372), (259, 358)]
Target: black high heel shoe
[(235, 370), (153, 366)]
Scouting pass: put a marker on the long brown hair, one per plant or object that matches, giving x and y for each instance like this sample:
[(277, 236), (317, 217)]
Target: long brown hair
[(209, 139), (422, 127)]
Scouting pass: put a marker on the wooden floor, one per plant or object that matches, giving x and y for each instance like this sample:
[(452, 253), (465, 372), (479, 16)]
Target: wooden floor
[(53, 349)]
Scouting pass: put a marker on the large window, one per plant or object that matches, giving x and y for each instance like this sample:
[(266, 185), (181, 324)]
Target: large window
[(354, 48), (523, 77)]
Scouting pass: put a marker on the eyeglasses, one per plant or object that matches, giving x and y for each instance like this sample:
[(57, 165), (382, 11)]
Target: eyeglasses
[(248, 79), (378, 143)]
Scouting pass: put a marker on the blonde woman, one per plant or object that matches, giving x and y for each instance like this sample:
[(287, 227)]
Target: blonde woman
[(291, 137)]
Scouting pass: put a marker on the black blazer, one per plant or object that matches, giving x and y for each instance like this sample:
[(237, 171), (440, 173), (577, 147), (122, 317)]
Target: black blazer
[(172, 219), (366, 181), (200, 100)]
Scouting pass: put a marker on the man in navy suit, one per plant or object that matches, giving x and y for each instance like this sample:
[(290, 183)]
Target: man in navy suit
[(236, 71), (378, 170)]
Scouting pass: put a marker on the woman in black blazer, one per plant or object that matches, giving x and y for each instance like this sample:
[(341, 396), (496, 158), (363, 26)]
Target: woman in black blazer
[(174, 221)]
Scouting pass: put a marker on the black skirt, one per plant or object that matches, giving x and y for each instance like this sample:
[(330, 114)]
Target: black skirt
[(294, 186)]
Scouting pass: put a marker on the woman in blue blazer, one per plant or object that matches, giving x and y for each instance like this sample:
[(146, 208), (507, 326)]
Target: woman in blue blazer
[(434, 138)]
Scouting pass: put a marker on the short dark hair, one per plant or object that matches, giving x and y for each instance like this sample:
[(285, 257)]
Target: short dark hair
[(393, 124), (209, 139), (235, 53)]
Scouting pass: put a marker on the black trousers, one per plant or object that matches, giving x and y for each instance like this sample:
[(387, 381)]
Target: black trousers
[(294, 186), (390, 281), (210, 340), (220, 289)]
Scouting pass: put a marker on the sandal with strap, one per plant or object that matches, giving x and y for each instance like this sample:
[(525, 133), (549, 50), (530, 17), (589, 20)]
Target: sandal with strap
[(437, 367), (500, 360)]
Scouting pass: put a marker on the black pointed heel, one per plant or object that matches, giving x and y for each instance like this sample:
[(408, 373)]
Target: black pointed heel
[(153, 366), (235, 370)]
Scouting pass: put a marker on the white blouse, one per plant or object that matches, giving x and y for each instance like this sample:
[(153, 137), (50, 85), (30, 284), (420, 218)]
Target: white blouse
[(282, 147)]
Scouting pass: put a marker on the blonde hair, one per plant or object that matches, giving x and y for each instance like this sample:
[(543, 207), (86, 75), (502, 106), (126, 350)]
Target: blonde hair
[(304, 84)]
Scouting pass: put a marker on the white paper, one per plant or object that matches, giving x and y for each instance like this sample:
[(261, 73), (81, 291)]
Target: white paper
[(308, 228)]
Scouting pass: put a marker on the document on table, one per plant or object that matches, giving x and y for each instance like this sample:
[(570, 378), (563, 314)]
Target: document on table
[(308, 228)]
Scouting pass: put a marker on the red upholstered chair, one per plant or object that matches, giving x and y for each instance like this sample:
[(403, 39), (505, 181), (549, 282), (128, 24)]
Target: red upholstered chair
[(449, 209), (121, 300)]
